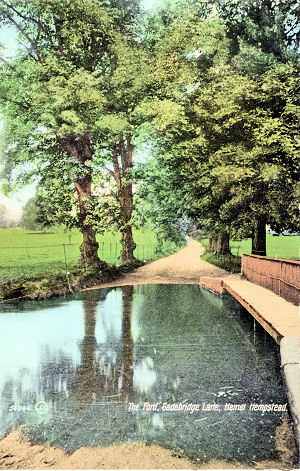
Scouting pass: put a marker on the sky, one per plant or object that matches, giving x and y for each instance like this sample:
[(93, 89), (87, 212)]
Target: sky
[(16, 201), (150, 4), (7, 41)]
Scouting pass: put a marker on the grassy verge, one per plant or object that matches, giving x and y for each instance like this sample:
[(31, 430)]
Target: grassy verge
[(50, 284), (286, 247), (42, 263), (56, 284), (231, 263)]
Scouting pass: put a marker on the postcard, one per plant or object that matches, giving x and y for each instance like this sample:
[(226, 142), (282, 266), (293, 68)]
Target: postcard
[(149, 228)]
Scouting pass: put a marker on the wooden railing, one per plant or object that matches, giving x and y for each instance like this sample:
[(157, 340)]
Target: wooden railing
[(278, 275)]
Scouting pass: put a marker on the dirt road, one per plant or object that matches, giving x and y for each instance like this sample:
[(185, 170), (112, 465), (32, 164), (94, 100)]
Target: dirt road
[(183, 267)]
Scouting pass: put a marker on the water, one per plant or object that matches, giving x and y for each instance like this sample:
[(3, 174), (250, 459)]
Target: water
[(71, 367)]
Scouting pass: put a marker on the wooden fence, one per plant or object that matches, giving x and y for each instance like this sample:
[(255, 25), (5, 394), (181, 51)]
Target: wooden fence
[(278, 275)]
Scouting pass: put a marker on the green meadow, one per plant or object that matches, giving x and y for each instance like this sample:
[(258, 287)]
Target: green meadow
[(287, 247), (32, 252), (277, 246), (25, 252)]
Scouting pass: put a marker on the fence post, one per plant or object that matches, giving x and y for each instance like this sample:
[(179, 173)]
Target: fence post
[(84, 249), (65, 256), (67, 273), (280, 278)]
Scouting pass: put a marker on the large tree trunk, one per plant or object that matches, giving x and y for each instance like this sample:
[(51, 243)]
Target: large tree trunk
[(123, 179), (223, 243), (80, 147), (259, 235), (212, 244), (89, 246)]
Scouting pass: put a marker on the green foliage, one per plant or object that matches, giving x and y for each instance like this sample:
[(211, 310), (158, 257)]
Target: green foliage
[(230, 140), (156, 204), (30, 218), (78, 82), (56, 199), (230, 263), (68, 100), (216, 82), (270, 25), (254, 159)]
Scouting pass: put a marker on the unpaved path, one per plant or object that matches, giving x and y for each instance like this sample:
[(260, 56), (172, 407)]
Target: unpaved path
[(17, 453), (183, 267)]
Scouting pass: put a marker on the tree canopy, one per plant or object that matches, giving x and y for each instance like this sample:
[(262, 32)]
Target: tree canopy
[(55, 96), (212, 87), (230, 139)]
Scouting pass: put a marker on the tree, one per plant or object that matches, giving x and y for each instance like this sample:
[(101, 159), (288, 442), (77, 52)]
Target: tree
[(30, 218), (127, 86), (56, 199), (53, 94), (159, 200), (270, 25), (188, 51), (266, 59), (232, 138), (238, 162)]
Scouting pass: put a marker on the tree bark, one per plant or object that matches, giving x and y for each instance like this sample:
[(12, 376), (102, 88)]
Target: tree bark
[(80, 147), (125, 194), (223, 246), (89, 246), (212, 246), (259, 236)]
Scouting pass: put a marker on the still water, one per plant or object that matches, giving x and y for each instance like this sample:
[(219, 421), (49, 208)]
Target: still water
[(70, 367)]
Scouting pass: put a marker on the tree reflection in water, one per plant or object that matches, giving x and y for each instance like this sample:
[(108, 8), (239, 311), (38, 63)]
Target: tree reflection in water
[(88, 357), (127, 340), (104, 379)]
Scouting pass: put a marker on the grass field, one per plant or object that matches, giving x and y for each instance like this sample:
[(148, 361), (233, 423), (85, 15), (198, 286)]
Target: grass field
[(29, 253), (277, 246), (287, 247)]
